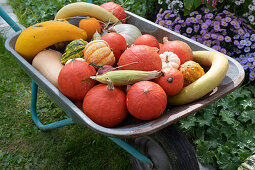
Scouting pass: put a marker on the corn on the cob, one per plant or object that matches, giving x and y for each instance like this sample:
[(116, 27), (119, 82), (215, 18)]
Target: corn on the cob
[(125, 77)]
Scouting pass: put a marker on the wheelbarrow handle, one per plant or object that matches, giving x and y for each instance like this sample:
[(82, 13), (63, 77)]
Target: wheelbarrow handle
[(9, 20)]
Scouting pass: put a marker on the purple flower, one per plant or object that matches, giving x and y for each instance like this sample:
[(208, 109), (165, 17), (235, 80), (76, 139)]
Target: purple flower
[(247, 49), (209, 15), (237, 26), (225, 12), (216, 47), (228, 39), (216, 23), (214, 36), (236, 42), (251, 66), (198, 16), (189, 30), (252, 75), (252, 35), (250, 59), (208, 22), (243, 42), (172, 15), (216, 27), (204, 26), (223, 50), (218, 18), (233, 22), (188, 20), (199, 40), (220, 38), (223, 23), (228, 19), (206, 10), (252, 39), (202, 32), (193, 38), (240, 46), (177, 27), (207, 36), (240, 31), (191, 14), (194, 20), (236, 36), (181, 21), (248, 43), (253, 46), (196, 28), (161, 22)]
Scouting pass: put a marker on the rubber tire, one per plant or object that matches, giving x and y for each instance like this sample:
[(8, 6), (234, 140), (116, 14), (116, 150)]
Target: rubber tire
[(168, 149)]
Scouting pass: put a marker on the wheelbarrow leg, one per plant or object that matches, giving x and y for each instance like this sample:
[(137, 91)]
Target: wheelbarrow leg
[(35, 118), (133, 151)]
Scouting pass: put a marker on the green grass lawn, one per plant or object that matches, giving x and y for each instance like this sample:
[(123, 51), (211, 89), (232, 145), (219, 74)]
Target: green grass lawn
[(22, 145)]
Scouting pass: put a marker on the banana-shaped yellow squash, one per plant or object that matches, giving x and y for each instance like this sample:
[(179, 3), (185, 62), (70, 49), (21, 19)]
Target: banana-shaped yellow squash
[(86, 9), (206, 83), (42, 35)]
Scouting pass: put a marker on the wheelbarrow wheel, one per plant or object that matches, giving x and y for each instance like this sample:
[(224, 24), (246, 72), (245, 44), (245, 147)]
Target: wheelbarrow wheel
[(168, 149)]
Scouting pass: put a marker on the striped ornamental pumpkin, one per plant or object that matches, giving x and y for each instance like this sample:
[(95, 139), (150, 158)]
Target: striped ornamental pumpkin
[(99, 53), (74, 50)]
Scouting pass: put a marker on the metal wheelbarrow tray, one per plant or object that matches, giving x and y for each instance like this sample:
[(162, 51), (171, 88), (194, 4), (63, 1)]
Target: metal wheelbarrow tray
[(132, 127)]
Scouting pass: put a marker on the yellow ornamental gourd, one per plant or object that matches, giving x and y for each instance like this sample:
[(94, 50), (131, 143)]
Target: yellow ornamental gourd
[(170, 60), (99, 53)]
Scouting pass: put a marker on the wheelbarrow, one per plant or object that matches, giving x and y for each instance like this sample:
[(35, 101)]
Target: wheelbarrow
[(155, 144)]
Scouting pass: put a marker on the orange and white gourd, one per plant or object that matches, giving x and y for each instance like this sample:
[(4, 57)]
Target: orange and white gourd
[(170, 60), (99, 53)]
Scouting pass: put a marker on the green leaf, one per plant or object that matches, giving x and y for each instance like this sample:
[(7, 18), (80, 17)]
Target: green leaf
[(248, 103), (188, 4), (197, 3), (228, 116)]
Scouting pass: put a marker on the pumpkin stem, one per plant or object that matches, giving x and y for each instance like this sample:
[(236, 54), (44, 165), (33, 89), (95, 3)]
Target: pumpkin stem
[(165, 39), (93, 64), (145, 90), (170, 79), (110, 85)]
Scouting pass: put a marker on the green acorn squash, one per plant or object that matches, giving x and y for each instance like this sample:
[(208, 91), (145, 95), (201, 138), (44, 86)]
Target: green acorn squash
[(74, 49)]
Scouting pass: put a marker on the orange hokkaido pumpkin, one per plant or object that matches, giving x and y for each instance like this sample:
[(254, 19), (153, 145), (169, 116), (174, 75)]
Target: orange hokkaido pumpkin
[(142, 57), (172, 81), (117, 42), (146, 100), (105, 105), (90, 25), (74, 81), (99, 53), (180, 48), (147, 39), (116, 10)]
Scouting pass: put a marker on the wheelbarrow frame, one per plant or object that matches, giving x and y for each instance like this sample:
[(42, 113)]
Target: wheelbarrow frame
[(68, 106)]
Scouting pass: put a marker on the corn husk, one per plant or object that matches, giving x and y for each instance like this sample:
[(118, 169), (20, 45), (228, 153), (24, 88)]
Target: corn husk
[(125, 77)]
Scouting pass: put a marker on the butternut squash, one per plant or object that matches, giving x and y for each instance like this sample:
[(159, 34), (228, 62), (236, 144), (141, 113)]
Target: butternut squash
[(48, 63)]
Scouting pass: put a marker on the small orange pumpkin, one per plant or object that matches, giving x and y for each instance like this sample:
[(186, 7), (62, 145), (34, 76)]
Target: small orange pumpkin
[(90, 25), (146, 100), (99, 53)]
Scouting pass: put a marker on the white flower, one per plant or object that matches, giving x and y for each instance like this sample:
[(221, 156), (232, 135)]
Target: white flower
[(251, 18), (238, 3), (160, 2)]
